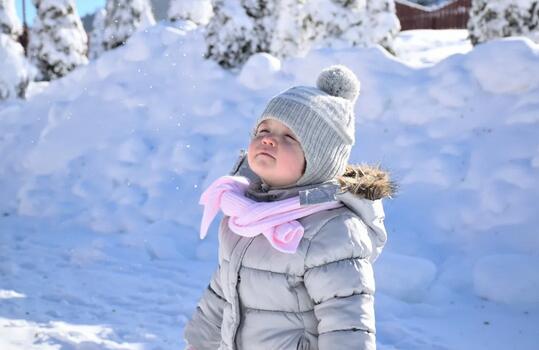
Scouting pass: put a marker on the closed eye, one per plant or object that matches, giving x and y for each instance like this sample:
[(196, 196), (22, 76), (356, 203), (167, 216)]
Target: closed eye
[(287, 135)]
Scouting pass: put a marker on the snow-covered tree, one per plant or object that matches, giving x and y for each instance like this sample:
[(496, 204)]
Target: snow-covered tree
[(263, 16), (532, 22), (503, 18), (285, 28), (230, 37), (289, 35), (123, 18), (9, 22), (352, 22), (197, 11), (335, 22), (96, 45), (58, 42), (14, 69), (383, 24)]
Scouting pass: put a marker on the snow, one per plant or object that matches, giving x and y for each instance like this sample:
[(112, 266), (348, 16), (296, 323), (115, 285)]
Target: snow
[(198, 11), (508, 278), (523, 75), (405, 277), (95, 46), (421, 47), (15, 71), (101, 172), (9, 22), (122, 19), (503, 18), (259, 71)]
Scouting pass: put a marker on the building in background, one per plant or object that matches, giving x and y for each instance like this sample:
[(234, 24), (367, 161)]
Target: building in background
[(447, 15)]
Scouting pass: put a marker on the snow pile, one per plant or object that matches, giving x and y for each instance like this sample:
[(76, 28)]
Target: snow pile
[(405, 277), (101, 173), (260, 71), (508, 278), (422, 47)]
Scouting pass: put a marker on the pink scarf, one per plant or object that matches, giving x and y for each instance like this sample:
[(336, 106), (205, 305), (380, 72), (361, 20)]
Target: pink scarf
[(275, 220)]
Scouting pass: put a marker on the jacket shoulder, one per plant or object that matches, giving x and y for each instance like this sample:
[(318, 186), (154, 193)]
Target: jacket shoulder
[(334, 235)]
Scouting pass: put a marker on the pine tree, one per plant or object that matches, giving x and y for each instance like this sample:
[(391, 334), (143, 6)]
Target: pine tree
[(263, 15), (333, 23), (96, 45), (197, 11), (9, 22), (14, 69), (503, 18), (352, 22), (289, 35), (230, 37), (123, 19), (383, 24), (532, 22), (286, 28), (58, 42)]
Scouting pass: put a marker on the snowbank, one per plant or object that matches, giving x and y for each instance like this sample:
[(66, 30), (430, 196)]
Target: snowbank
[(508, 278)]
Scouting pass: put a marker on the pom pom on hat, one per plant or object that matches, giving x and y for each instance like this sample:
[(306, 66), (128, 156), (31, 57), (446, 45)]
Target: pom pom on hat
[(339, 81)]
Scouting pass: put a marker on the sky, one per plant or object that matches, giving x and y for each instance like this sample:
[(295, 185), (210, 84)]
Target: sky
[(83, 7)]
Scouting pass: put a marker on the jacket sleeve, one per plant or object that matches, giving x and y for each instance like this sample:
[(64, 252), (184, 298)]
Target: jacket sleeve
[(203, 331), (340, 281)]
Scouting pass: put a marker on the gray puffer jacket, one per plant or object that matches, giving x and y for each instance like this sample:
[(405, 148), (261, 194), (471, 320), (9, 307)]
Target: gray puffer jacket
[(321, 297)]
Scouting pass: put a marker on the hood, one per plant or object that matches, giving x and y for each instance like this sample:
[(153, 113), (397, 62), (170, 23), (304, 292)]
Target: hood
[(363, 188)]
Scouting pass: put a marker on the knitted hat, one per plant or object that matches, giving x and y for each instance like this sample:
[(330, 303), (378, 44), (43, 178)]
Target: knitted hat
[(322, 117)]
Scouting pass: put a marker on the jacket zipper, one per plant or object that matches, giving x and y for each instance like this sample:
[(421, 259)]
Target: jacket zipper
[(237, 296)]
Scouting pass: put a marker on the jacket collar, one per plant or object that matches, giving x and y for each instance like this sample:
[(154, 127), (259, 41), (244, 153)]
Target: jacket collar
[(261, 192), (308, 194)]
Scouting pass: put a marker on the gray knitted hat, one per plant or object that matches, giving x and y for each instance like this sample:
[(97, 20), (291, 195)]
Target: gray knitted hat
[(322, 117)]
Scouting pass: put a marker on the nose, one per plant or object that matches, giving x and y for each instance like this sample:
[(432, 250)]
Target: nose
[(267, 140)]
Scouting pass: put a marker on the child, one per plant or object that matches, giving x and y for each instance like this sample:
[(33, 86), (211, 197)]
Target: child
[(300, 232)]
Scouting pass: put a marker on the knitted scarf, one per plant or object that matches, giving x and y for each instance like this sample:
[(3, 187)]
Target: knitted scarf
[(248, 218)]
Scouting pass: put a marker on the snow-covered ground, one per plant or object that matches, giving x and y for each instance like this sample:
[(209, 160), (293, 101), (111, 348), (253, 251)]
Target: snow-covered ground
[(423, 47), (100, 174)]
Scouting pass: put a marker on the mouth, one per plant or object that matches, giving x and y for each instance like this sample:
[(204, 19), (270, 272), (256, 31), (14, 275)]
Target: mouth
[(266, 154)]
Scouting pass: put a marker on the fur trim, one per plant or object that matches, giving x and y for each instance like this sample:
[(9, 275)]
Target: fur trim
[(367, 181)]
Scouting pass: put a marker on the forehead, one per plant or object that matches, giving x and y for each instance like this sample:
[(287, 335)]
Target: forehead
[(272, 123)]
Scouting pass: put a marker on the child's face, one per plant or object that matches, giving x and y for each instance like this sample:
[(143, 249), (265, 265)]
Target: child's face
[(275, 154)]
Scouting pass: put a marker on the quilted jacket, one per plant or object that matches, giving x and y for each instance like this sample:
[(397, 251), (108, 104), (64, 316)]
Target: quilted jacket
[(321, 297)]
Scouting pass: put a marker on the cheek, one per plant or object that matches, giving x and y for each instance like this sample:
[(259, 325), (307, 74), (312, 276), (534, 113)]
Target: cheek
[(295, 158), (250, 151), (251, 146)]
